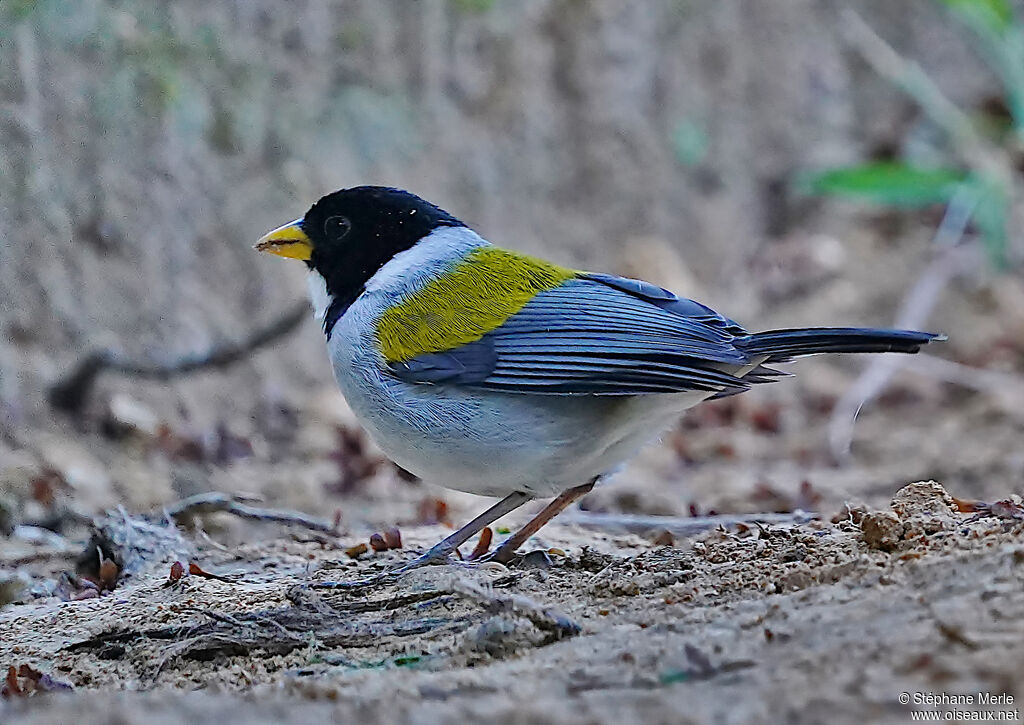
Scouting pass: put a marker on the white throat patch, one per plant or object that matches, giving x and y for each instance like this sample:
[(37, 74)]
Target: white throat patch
[(318, 294)]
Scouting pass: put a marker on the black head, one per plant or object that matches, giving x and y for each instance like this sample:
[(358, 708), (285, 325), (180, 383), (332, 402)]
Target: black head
[(354, 232)]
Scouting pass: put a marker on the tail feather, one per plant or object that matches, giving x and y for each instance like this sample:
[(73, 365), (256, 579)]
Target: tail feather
[(783, 345)]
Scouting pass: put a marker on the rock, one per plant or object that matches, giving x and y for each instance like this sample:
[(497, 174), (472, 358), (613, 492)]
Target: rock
[(797, 579), (852, 512), (881, 529), (538, 559), (924, 507)]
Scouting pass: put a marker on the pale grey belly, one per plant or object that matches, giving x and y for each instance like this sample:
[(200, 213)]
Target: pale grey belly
[(492, 443)]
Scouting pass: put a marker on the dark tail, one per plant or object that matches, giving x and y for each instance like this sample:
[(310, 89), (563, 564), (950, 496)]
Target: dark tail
[(782, 345)]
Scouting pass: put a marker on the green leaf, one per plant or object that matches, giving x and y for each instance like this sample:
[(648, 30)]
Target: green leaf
[(995, 16), (892, 184)]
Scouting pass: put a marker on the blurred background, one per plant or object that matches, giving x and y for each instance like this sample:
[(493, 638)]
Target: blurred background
[(798, 163)]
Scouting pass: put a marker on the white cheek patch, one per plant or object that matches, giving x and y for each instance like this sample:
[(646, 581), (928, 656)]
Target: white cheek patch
[(318, 294)]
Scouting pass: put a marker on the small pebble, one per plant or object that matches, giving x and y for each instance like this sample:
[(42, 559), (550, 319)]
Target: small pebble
[(377, 543), (536, 560)]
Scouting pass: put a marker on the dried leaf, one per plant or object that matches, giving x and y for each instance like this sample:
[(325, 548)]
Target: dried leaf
[(432, 511), (483, 544), (195, 569), (177, 571), (11, 687), (1007, 508), (393, 538), (31, 681), (967, 506), (354, 552), (108, 574), (767, 418), (44, 487), (808, 499), (41, 680)]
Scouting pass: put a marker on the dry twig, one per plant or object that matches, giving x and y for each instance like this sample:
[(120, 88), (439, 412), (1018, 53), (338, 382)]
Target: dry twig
[(679, 526), (909, 77), (985, 160), (917, 306), (275, 631), (215, 501), (1007, 389), (71, 392), (548, 620)]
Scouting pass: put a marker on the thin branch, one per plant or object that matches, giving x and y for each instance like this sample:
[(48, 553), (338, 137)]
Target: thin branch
[(221, 356), (548, 620), (914, 312), (679, 526), (1005, 387), (71, 392), (915, 82), (215, 501)]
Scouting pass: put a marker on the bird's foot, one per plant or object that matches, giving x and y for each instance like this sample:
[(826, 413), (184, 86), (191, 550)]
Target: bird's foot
[(502, 555)]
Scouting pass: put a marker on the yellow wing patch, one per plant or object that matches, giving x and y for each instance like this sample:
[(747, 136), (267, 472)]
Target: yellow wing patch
[(461, 306)]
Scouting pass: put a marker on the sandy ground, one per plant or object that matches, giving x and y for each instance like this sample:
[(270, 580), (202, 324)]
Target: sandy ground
[(825, 621), (819, 622)]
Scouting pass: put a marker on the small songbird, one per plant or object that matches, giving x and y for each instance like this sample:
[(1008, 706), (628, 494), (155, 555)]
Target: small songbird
[(489, 371)]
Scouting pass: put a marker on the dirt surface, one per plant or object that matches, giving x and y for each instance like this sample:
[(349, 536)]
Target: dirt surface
[(890, 589), (810, 623), (820, 622)]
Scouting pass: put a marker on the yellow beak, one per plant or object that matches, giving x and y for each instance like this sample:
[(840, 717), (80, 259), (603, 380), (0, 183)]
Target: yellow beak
[(287, 241)]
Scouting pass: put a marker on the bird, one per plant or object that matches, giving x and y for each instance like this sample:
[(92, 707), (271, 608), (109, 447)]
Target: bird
[(490, 371)]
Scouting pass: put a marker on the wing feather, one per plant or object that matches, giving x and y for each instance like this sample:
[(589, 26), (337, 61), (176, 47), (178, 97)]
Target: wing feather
[(596, 335)]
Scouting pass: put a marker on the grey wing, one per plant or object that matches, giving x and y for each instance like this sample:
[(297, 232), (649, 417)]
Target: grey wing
[(596, 334)]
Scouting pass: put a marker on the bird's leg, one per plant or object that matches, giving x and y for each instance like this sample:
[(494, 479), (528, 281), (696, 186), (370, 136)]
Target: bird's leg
[(440, 552), (504, 553)]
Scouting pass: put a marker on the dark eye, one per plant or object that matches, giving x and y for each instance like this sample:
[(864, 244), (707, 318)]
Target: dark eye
[(336, 227)]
